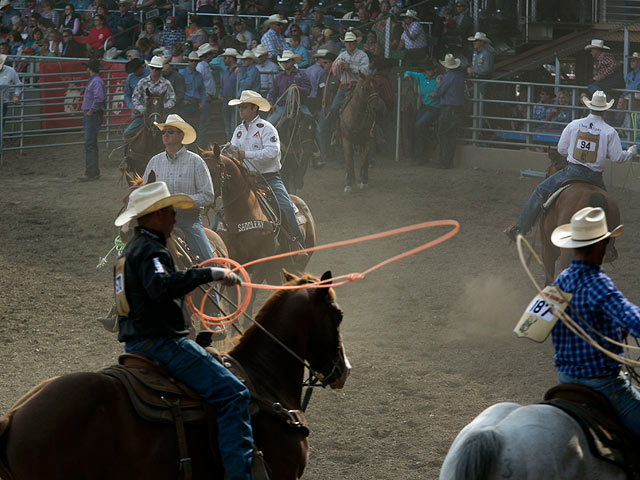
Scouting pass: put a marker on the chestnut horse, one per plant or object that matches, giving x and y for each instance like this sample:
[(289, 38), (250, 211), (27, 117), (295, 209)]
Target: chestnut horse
[(357, 120), (248, 234), (576, 196), (82, 425)]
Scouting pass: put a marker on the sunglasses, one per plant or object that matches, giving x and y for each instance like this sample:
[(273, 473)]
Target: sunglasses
[(169, 131), (170, 211), (242, 106)]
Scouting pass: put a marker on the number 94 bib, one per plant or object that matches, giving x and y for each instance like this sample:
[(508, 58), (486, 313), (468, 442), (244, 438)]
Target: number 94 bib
[(542, 314), (586, 148)]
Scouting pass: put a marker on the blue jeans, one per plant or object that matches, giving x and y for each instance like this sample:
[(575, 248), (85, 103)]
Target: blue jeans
[(425, 117), (190, 363), (91, 125), (286, 207), (550, 185), (190, 223), (624, 397), (227, 117), (279, 111), (134, 126), (191, 115)]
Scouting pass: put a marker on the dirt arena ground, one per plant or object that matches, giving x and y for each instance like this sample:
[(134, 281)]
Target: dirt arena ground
[(430, 337)]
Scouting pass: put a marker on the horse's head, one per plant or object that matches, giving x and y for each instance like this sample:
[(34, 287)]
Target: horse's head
[(155, 106), (227, 172), (367, 89), (556, 161), (134, 182)]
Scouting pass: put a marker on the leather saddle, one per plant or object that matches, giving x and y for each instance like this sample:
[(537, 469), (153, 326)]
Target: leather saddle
[(563, 186), (608, 439)]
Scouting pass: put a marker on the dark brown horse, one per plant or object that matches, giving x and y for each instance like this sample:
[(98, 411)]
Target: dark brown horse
[(147, 141), (82, 425), (247, 231), (577, 195), (357, 121)]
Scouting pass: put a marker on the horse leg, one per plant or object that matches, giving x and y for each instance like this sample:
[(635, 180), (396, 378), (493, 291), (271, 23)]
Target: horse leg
[(364, 165), (350, 176)]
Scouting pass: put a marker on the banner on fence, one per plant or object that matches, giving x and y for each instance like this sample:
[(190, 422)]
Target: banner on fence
[(65, 99)]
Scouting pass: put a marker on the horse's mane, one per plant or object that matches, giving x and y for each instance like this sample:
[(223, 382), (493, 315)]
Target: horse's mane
[(251, 180)]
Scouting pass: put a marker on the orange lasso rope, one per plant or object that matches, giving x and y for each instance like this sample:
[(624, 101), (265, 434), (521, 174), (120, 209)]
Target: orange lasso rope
[(243, 301)]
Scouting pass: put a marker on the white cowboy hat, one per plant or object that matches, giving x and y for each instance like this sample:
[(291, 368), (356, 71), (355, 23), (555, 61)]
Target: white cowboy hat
[(150, 198), (3, 58), (193, 56), (112, 53), (156, 62), (241, 38), (174, 120), (289, 55), (5, 3), (588, 226), (247, 54), (450, 62), (230, 52), (159, 51), (204, 49), (411, 14), (595, 43), (598, 101), (634, 55), (260, 50), (349, 37), (275, 18), (249, 96), (479, 36)]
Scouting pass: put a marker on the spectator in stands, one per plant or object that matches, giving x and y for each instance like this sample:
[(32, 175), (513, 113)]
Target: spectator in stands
[(99, 34), (47, 12), (371, 46), (70, 20), (144, 5), (70, 47), (177, 53), (42, 23), (36, 41), (543, 110), (197, 36), (372, 7), (206, 6), (605, 74), (195, 96), (464, 22), (27, 14), (379, 27), (248, 76), (289, 76), (295, 47), (632, 80), (18, 26), (222, 38), (363, 25), (450, 91), (171, 33), (449, 33), (305, 42), (482, 61), (206, 53), (561, 113), (228, 82), (316, 75), (430, 106), (151, 33), (240, 28), (226, 7), (93, 107), (299, 22), (145, 47), (121, 24), (79, 5), (413, 39), (8, 77), (136, 70), (15, 43), (5, 49), (266, 67), (7, 12), (177, 82), (519, 112), (273, 39)]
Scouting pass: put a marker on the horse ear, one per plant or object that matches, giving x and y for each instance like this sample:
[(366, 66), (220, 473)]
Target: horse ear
[(288, 277), (148, 92), (326, 276), (216, 150), (201, 152), (152, 177)]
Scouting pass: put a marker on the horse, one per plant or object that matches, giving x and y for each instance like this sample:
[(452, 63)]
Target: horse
[(575, 197), (82, 425), (246, 230), (530, 442), (147, 141), (356, 124)]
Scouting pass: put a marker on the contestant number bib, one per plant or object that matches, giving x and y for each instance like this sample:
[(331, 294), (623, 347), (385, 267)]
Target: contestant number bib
[(586, 147), (542, 313)]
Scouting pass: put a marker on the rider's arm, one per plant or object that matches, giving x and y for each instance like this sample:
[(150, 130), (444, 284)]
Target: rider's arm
[(360, 63), (263, 159), (170, 97), (138, 98), (618, 309), (565, 139), (304, 83), (614, 148), (128, 92)]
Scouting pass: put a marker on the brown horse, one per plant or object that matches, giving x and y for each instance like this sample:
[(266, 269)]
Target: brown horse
[(147, 141), (577, 195), (247, 231), (82, 425), (357, 121)]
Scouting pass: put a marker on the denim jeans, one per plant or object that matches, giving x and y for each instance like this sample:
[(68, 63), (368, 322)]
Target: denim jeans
[(227, 117), (134, 126), (190, 223), (624, 397), (286, 207), (425, 117), (323, 134), (91, 124), (447, 133), (550, 185), (190, 363)]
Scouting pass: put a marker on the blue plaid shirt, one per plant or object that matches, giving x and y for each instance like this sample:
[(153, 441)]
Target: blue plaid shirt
[(599, 303)]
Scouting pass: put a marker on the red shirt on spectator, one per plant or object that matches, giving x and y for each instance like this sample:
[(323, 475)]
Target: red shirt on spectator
[(97, 37)]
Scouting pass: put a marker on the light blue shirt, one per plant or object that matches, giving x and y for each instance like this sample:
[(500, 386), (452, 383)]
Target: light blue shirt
[(482, 62), (194, 86), (304, 56)]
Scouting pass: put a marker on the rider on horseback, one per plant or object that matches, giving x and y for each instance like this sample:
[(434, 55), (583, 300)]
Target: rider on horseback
[(258, 145), (597, 303), (587, 142), (290, 75)]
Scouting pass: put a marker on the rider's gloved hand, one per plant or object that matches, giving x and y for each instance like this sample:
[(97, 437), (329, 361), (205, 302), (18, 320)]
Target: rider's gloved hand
[(633, 149), (141, 109), (225, 276)]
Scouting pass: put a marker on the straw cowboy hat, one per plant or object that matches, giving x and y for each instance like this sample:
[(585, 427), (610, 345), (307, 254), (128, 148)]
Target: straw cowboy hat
[(156, 62), (289, 55), (324, 53), (595, 43), (588, 226), (176, 121), (112, 53), (598, 101), (275, 18), (193, 56), (450, 62), (249, 96), (230, 52), (150, 198), (349, 37), (411, 14), (204, 49), (5, 3), (634, 55), (247, 54), (260, 50), (479, 36)]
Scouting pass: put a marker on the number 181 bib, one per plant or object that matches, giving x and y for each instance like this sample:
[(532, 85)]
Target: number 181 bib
[(586, 147), (539, 318)]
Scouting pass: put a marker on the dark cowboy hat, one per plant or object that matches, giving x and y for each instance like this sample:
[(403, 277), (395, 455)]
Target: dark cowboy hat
[(93, 64), (133, 64)]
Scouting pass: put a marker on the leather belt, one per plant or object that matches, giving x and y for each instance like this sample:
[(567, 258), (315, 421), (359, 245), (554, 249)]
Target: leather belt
[(269, 175), (607, 375)]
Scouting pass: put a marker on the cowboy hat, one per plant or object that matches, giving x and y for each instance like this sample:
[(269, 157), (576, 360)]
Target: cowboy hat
[(174, 120), (289, 55), (450, 62), (349, 37), (635, 55), (247, 54), (598, 101), (123, 2), (159, 51), (93, 64), (112, 53), (249, 96), (156, 62), (150, 198), (193, 56), (595, 43), (275, 18), (133, 64), (479, 36), (588, 226), (204, 49), (5, 3), (3, 58), (411, 14), (324, 53), (230, 52), (260, 50), (241, 38)]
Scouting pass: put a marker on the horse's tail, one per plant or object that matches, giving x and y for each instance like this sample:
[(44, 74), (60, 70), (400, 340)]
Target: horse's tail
[(477, 454), (599, 200)]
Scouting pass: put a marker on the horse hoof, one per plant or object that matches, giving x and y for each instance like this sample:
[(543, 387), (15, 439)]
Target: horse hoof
[(362, 186), (348, 189)]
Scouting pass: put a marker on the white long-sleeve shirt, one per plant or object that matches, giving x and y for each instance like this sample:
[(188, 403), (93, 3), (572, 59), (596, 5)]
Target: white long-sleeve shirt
[(261, 145), (589, 141), (359, 63)]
